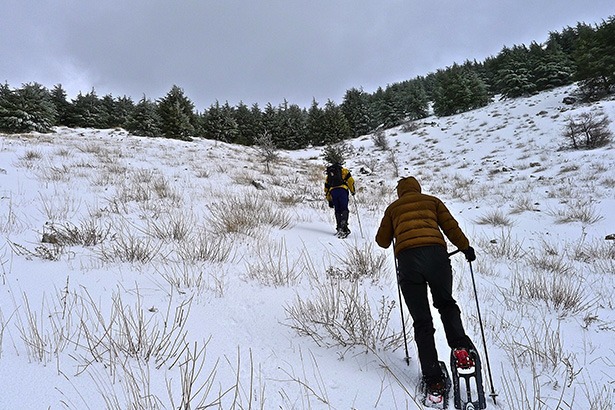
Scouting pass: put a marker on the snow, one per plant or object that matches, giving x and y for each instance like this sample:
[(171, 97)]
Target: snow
[(166, 294)]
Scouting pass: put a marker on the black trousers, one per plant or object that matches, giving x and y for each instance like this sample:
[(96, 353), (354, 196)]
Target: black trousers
[(420, 269)]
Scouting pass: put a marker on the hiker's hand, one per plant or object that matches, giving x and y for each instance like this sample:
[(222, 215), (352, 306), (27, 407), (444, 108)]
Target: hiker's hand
[(470, 254)]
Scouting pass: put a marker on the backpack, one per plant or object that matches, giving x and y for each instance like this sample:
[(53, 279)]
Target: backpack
[(334, 175)]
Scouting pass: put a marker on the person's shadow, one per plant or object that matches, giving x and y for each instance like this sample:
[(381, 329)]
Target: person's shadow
[(317, 229)]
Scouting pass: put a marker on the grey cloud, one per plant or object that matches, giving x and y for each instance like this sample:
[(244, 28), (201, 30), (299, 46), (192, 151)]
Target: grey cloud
[(262, 51)]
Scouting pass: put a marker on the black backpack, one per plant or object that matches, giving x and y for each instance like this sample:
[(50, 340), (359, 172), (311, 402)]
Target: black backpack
[(334, 176)]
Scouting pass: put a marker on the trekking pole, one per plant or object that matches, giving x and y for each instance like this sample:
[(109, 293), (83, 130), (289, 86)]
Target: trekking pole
[(401, 308), (493, 394), (356, 207)]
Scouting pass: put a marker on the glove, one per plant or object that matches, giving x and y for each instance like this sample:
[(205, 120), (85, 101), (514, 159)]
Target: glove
[(470, 254), (331, 204)]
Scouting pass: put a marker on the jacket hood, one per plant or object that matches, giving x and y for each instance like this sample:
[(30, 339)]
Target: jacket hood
[(406, 185)]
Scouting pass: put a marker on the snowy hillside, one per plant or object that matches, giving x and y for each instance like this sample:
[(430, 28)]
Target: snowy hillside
[(141, 273)]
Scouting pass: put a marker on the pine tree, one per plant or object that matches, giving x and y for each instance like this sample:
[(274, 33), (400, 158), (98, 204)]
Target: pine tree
[(270, 122), (516, 81), (413, 99), (291, 127), (177, 115), (230, 129), (552, 68), (258, 128), (62, 106), (514, 78), (335, 125), (220, 124), (315, 125), (107, 111), (429, 84), (566, 40), (249, 124), (242, 116), (87, 111), (27, 109), (459, 89), (356, 110), (116, 111), (595, 59), (378, 108), (606, 38), (391, 110), (144, 119)]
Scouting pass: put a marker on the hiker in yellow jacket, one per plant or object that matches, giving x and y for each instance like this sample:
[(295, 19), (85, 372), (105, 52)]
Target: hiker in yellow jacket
[(338, 183)]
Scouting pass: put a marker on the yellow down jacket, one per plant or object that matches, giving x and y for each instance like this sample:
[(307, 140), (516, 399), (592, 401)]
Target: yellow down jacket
[(417, 219), (349, 185)]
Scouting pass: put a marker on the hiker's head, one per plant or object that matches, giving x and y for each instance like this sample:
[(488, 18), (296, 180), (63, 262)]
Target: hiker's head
[(407, 184)]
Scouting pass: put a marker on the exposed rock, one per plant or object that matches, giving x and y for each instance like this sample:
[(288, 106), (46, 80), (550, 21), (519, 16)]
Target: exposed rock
[(258, 184), (50, 238)]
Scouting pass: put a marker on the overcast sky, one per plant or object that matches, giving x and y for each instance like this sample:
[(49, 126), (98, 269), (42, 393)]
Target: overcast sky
[(260, 51)]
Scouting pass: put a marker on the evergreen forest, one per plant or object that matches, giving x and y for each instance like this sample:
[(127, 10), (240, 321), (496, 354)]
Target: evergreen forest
[(584, 54)]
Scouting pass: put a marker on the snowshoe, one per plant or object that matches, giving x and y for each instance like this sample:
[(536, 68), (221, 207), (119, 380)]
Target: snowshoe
[(435, 394), (466, 374), (342, 232)]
